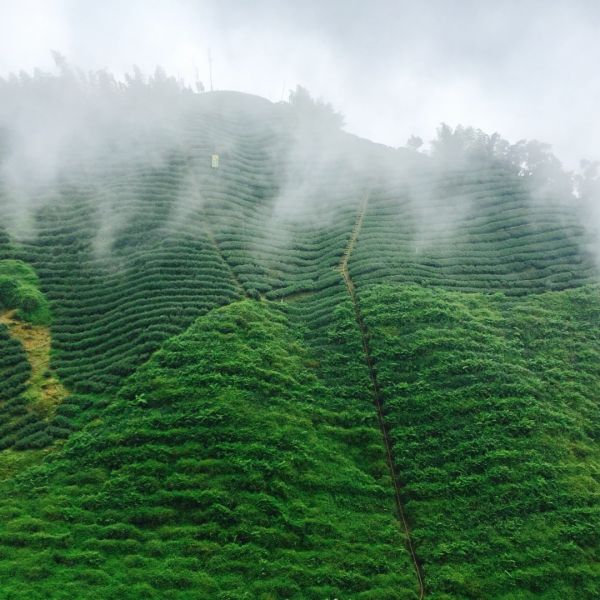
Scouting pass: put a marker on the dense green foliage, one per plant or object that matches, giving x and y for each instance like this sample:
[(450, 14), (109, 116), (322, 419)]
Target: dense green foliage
[(221, 435), (19, 289), (14, 368), (135, 250), (19, 426), (221, 472), (472, 230), (493, 408), (23, 424)]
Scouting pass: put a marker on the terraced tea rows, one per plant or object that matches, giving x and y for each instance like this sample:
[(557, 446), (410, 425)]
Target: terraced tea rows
[(130, 253), (29, 392), (244, 457), (377, 397), (15, 369), (492, 407), (110, 318), (472, 231), (221, 472), (21, 428)]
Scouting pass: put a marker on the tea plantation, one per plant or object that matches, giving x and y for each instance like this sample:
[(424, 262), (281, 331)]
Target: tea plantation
[(319, 369)]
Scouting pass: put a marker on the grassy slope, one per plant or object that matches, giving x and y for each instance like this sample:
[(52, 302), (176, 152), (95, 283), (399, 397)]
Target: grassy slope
[(221, 472), (226, 470), (130, 252), (493, 409), (478, 229), (181, 239)]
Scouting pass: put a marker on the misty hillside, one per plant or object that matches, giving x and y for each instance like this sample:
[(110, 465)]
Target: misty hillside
[(245, 354)]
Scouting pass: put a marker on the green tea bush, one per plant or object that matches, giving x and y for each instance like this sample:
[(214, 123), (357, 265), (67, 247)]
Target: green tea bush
[(248, 481), (486, 399), (19, 289)]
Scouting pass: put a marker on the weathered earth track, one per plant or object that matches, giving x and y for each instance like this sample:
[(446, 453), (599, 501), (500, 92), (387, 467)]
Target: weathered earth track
[(377, 396)]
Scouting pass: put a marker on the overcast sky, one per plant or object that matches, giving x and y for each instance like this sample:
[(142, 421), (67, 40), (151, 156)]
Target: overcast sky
[(527, 68)]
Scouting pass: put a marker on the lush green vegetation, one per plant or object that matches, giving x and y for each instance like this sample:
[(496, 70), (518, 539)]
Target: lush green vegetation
[(492, 405), (14, 368), (220, 439), (471, 230), (21, 426), (27, 387), (19, 289), (223, 472)]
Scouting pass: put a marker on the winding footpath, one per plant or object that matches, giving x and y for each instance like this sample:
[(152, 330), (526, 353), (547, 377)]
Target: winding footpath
[(377, 396)]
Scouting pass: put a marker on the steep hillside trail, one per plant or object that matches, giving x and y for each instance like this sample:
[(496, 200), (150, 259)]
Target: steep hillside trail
[(45, 391), (377, 396)]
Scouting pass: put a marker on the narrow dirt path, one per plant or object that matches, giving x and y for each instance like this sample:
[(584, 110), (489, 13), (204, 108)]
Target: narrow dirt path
[(377, 396), (44, 390)]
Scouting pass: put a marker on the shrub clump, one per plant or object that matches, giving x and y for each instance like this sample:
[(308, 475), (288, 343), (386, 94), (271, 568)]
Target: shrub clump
[(19, 289)]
